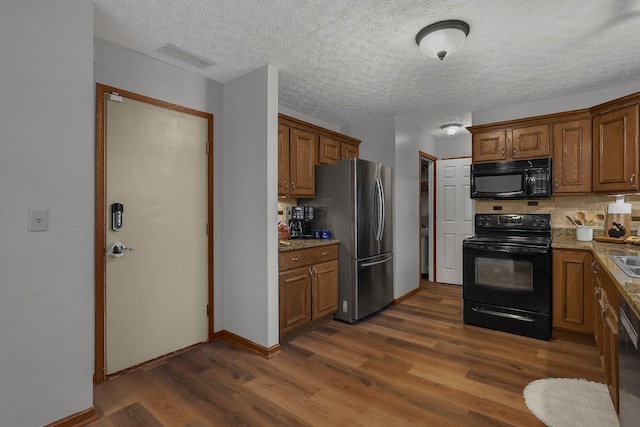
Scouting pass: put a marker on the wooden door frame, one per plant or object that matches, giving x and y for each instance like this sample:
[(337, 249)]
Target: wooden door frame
[(101, 220), (432, 216)]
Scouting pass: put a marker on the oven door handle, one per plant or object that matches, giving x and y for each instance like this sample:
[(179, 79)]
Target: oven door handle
[(510, 250), (507, 315)]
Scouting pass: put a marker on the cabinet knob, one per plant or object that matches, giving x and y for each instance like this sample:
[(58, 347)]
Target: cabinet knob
[(325, 253), (556, 184), (514, 151), (633, 180), (503, 151), (295, 259), (595, 267)]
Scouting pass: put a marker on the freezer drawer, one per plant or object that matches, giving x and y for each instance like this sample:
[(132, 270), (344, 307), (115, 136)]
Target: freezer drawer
[(374, 284)]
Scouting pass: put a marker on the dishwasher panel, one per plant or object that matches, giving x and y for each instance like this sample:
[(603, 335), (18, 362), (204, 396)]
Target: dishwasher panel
[(628, 365)]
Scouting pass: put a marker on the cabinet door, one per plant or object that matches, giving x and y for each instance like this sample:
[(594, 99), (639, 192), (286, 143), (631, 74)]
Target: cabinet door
[(598, 323), (572, 157), (489, 146), (615, 150), (294, 287), (283, 160), (572, 291), (324, 289), (530, 142), (611, 354), (349, 151), (329, 151), (302, 160)]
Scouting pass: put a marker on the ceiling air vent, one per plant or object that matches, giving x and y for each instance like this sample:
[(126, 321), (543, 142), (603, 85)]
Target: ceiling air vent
[(186, 56)]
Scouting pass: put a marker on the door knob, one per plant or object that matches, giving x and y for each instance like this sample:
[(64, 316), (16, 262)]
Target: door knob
[(117, 249)]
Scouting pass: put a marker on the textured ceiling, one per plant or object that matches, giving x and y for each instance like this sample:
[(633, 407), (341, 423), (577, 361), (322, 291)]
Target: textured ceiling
[(348, 61)]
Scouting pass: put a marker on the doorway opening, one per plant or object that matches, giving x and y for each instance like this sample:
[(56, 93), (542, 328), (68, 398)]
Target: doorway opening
[(427, 217)]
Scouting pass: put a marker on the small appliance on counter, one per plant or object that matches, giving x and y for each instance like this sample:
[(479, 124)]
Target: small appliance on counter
[(307, 232), (295, 216), (299, 219)]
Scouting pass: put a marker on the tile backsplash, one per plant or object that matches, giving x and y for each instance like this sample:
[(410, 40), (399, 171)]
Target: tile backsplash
[(283, 204), (560, 206)]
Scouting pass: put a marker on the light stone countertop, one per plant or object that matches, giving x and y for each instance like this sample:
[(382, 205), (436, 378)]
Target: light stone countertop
[(629, 287), (293, 244)]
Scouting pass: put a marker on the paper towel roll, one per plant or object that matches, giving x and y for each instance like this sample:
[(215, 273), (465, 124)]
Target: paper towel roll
[(619, 207)]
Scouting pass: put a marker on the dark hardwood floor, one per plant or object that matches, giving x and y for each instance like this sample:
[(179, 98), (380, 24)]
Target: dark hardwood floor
[(414, 364)]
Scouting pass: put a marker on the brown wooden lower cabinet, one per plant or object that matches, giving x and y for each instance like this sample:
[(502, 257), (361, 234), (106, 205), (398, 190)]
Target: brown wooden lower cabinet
[(307, 286), (324, 289), (586, 301), (294, 287), (605, 317), (572, 291)]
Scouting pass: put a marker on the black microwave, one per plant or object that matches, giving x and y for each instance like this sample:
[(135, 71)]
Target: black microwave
[(517, 179)]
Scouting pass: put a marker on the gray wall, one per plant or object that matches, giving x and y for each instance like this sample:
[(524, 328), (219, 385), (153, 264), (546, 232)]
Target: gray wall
[(305, 118), (250, 209), (124, 69), (409, 141), (553, 105), (452, 147), (46, 162), (378, 139)]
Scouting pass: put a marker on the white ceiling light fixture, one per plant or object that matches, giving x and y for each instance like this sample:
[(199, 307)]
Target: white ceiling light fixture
[(451, 128), (442, 38)]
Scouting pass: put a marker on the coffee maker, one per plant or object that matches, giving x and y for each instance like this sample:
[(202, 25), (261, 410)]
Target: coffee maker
[(307, 232), (295, 217)]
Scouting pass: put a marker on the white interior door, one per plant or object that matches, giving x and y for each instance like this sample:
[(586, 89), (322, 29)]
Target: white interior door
[(454, 217), (156, 295)]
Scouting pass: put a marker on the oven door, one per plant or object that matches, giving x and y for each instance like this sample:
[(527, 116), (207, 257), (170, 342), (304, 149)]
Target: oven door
[(514, 276)]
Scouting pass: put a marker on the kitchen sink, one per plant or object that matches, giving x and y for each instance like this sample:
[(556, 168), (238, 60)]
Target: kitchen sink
[(629, 264)]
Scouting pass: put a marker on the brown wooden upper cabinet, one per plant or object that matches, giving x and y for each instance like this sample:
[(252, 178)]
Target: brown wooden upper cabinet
[(349, 151), (296, 162), (329, 151), (616, 167), (572, 155), (332, 150), (303, 145), (510, 141)]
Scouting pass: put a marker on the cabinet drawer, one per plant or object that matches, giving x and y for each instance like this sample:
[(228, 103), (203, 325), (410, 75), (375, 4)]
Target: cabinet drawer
[(302, 257)]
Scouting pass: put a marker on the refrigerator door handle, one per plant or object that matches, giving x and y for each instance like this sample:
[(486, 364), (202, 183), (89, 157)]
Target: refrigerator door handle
[(380, 209), (382, 261)]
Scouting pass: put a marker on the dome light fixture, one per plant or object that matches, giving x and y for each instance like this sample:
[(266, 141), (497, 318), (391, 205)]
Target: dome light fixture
[(442, 38), (451, 128)]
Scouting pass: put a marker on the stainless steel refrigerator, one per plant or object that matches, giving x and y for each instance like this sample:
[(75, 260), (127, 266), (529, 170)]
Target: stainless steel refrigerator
[(353, 200)]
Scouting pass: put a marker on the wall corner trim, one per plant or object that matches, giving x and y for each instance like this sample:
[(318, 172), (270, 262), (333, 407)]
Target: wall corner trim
[(78, 419), (244, 343)]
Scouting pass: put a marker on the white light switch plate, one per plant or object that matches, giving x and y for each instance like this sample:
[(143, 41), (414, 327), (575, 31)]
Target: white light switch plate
[(38, 220)]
